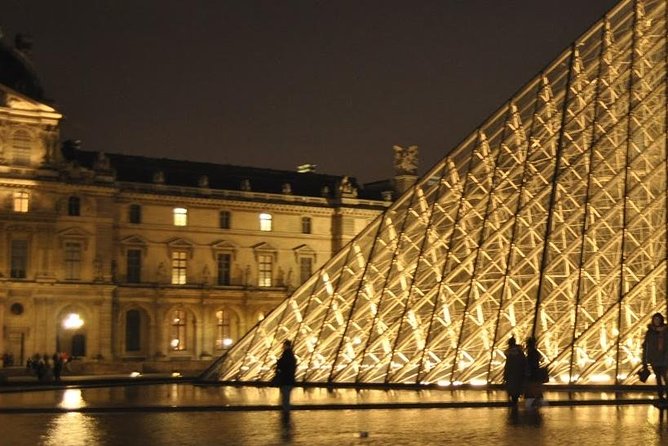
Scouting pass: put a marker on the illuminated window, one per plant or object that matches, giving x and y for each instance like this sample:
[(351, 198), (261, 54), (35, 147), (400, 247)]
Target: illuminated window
[(18, 259), (21, 143), (133, 265), (223, 333), (180, 216), (72, 261), (179, 264), (265, 264), (134, 214), (305, 268), (306, 225), (265, 222), (225, 219), (178, 335), (73, 206), (224, 269), (21, 201)]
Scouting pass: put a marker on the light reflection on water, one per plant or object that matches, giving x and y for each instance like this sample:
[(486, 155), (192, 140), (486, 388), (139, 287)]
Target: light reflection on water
[(71, 429), (577, 426), (72, 399)]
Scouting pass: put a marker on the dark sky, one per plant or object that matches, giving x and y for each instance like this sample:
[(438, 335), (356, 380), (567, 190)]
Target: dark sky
[(278, 83)]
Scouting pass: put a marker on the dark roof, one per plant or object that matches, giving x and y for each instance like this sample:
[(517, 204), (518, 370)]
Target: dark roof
[(17, 72), (139, 169)]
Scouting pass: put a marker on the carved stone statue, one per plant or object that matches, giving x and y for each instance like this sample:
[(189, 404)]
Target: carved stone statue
[(206, 276), (102, 163), (280, 277), (161, 273), (346, 188), (247, 276), (405, 160)]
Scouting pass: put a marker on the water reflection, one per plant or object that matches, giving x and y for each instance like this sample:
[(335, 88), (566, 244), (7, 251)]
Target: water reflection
[(71, 429), (72, 399)]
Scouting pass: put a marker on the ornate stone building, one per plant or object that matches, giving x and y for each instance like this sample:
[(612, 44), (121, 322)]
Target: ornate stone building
[(117, 257)]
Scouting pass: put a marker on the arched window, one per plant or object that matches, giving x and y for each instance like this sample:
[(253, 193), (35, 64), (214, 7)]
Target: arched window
[(132, 331), (178, 330)]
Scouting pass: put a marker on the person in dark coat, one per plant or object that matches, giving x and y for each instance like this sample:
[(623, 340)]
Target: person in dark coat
[(655, 352), (534, 386), (286, 368), (514, 373)]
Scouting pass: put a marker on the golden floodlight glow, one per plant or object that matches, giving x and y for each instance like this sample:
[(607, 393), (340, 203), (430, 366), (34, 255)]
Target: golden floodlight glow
[(73, 322), (547, 221)]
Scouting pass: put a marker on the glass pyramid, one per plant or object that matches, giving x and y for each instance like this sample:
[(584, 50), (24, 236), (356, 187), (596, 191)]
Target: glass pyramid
[(549, 220)]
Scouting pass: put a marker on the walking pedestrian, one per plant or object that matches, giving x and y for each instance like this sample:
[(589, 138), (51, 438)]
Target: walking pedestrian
[(534, 385), (286, 368), (514, 372), (655, 353)]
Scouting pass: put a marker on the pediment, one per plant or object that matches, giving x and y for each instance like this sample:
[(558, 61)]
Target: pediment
[(265, 247), (134, 240), (304, 251), (74, 232), (180, 243), (224, 245)]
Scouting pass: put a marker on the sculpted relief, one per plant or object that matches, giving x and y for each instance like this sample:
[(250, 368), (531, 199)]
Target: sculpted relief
[(405, 160)]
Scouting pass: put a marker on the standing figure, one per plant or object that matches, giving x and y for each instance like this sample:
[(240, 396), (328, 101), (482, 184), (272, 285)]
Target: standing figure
[(514, 373), (286, 368), (534, 387), (655, 352)]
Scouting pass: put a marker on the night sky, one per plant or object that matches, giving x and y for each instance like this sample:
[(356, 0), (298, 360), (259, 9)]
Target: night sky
[(278, 83)]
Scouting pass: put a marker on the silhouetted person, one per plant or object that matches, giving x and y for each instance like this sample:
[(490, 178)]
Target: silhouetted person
[(655, 352), (514, 373), (534, 386), (57, 366), (286, 367)]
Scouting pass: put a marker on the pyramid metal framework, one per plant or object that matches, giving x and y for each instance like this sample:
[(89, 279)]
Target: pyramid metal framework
[(549, 220)]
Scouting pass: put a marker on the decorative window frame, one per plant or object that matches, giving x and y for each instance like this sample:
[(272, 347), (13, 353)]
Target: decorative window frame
[(134, 242), (180, 244), (304, 250), (224, 247), (76, 235)]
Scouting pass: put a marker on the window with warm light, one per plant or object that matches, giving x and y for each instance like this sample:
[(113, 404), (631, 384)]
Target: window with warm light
[(72, 261), (179, 267), (18, 259), (223, 333), (265, 267), (21, 201), (180, 216), (265, 222), (178, 334)]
